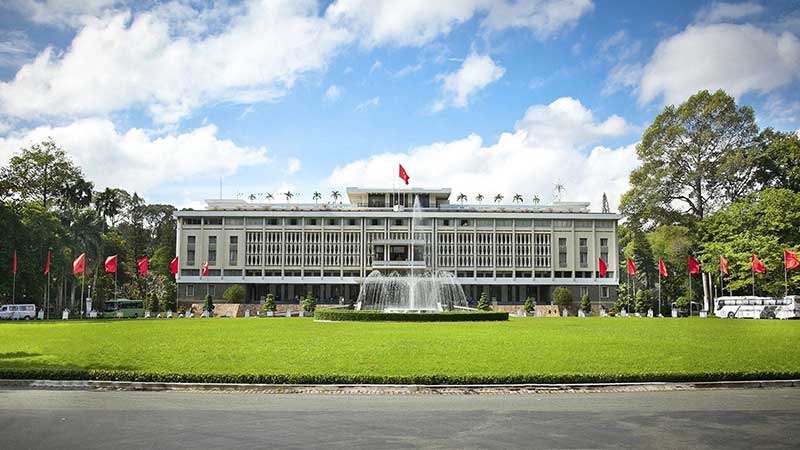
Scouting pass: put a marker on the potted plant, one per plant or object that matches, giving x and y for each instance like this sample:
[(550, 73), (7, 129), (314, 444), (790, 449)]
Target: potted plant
[(529, 306)]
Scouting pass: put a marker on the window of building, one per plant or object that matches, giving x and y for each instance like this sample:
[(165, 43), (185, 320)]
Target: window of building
[(191, 221), (376, 200), (254, 222), (585, 224), (484, 223), (273, 222), (524, 223), (604, 224), (351, 222), (542, 223), (212, 250), (191, 242), (376, 222), (445, 222), (333, 222), (503, 223), (233, 251), (398, 222), (604, 249), (234, 221), (562, 252), (213, 220), (293, 222), (212, 291), (311, 221), (604, 292), (232, 272), (190, 272), (464, 223), (562, 224), (190, 290), (583, 252)]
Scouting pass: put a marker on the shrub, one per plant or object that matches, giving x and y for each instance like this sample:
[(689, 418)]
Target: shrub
[(153, 304), (562, 297), (644, 300), (168, 303), (530, 305), (234, 294), (347, 315), (586, 304), (269, 304), (483, 303), (682, 302), (309, 304), (209, 304)]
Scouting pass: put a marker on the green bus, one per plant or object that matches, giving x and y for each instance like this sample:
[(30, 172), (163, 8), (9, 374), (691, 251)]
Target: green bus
[(123, 308)]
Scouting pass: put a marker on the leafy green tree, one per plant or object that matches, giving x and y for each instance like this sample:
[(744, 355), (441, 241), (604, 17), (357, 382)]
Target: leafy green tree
[(39, 173), (586, 304), (483, 303), (309, 304), (530, 305), (696, 158), (779, 160), (562, 297), (764, 223), (269, 304), (644, 300), (234, 294), (672, 243)]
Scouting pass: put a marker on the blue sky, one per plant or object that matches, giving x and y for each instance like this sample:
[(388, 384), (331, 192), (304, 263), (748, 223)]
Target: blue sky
[(484, 96)]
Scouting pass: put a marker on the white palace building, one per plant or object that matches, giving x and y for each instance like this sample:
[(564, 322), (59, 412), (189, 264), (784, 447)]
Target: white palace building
[(508, 251)]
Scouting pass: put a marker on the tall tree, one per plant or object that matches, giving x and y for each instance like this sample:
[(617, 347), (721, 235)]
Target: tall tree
[(696, 158), (779, 160), (41, 173)]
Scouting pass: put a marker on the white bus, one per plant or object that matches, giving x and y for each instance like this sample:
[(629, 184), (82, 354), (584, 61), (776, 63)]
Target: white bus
[(750, 307)]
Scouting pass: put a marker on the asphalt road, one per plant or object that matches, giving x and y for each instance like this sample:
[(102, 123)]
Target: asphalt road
[(740, 418)]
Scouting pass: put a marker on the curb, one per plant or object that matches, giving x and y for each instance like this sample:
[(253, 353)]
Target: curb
[(390, 389)]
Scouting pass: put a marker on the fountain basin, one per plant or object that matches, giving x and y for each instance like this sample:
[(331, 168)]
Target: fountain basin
[(351, 315)]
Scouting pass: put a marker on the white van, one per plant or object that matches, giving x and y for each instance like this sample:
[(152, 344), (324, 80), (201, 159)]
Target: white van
[(18, 312)]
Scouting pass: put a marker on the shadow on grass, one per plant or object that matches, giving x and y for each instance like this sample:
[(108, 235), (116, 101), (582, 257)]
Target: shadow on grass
[(13, 355)]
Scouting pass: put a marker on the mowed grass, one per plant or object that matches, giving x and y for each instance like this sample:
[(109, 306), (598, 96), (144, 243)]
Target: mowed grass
[(520, 350)]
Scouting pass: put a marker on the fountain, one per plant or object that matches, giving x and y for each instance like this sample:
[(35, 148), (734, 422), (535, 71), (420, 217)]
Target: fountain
[(423, 292)]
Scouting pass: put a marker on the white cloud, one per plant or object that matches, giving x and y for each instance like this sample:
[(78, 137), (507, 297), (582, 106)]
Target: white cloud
[(550, 143), (292, 166), (408, 70), (372, 103), (477, 72), (622, 76), (333, 93), (723, 11), (168, 61), (375, 66), (418, 22), (736, 58), (544, 18), (136, 161), (69, 13)]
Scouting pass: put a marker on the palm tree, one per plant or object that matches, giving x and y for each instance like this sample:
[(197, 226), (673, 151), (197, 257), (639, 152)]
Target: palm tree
[(316, 196), (498, 198), (479, 198), (252, 197), (517, 198), (269, 196), (335, 196), (535, 199), (288, 195), (462, 197)]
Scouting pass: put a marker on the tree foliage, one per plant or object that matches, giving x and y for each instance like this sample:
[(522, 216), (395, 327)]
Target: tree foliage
[(234, 294), (696, 158), (562, 297), (483, 303)]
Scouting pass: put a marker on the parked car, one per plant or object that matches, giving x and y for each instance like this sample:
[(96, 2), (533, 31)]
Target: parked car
[(684, 312), (18, 312)]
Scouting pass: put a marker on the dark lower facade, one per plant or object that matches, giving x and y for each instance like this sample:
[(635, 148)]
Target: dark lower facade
[(324, 293)]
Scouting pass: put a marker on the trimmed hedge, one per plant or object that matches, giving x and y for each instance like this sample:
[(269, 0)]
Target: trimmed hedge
[(349, 315), (123, 375)]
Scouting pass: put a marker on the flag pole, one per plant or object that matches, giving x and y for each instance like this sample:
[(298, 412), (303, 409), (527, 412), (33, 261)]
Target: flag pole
[(754, 281), (83, 285), (47, 296), (659, 292), (691, 296), (785, 280)]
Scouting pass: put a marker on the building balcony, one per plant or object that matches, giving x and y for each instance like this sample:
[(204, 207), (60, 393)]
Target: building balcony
[(399, 265)]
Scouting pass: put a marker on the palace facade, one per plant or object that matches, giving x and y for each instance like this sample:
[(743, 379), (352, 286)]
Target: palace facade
[(510, 252)]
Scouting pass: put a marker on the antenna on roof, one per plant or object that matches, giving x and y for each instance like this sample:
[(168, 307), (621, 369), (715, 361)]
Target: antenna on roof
[(606, 209)]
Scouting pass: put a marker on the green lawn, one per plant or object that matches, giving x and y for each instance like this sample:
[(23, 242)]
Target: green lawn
[(301, 350)]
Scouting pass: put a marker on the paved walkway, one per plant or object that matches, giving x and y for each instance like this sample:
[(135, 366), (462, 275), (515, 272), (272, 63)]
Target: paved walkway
[(735, 418)]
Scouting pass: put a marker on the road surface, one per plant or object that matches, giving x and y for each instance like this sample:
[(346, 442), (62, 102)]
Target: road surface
[(736, 418)]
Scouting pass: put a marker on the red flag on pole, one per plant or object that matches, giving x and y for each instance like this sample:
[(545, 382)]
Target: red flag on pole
[(15, 262), (631, 267), (603, 268), (723, 265), (205, 268), (173, 266), (78, 264), (142, 266), (404, 174), (111, 264), (662, 268), (758, 266), (790, 260), (47, 264), (694, 266)]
